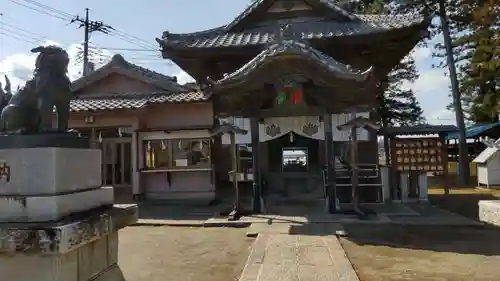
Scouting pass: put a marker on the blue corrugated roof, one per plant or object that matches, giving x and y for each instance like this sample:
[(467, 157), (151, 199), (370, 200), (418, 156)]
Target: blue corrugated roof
[(473, 131)]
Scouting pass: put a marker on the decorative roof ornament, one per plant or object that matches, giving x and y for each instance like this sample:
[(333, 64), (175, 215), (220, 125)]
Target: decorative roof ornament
[(273, 130), (310, 129), (283, 33)]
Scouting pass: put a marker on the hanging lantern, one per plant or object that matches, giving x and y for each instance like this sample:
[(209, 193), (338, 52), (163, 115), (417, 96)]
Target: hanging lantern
[(281, 98), (296, 96), (292, 138)]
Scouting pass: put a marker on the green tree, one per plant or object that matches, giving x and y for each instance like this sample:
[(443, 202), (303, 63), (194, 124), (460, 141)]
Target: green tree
[(480, 74), (397, 104), (452, 16)]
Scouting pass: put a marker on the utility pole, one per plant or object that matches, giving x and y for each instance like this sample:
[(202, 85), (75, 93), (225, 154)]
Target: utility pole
[(86, 43), (89, 27)]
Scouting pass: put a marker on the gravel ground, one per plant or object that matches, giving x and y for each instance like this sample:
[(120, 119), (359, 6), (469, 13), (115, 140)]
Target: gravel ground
[(183, 254), (420, 253)]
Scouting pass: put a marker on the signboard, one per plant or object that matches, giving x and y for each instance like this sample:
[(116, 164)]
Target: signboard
[(418, 154)]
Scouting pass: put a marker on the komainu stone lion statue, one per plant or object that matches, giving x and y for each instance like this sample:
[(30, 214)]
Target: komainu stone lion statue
[(30, 110), (5, 96)]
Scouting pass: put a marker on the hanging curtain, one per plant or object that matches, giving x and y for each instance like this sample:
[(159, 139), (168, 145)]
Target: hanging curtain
[(306, 126)]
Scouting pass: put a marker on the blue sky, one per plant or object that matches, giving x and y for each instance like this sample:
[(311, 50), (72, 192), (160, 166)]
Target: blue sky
[(147, 20)]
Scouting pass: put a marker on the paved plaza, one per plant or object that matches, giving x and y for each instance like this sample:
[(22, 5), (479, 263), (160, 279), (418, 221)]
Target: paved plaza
[(401, 243)]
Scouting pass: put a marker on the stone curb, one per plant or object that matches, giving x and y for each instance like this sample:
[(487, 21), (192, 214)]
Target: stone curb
[(157, 223)]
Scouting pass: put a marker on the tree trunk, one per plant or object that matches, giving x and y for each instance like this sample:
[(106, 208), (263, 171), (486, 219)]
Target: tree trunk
[(463, 167)]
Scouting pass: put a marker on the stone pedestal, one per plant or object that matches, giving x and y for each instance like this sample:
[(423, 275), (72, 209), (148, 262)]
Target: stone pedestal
[(47, 183), (56, 221), (50, 170), (489, 211), (81, 248), (385, 179)]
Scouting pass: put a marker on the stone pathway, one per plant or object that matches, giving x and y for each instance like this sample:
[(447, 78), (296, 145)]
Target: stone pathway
[(277, 256)]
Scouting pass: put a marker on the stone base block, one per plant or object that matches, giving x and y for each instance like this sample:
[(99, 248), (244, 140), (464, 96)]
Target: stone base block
[(489, 211), (84, 263), (75, 250), (49, 170), (52, 208)]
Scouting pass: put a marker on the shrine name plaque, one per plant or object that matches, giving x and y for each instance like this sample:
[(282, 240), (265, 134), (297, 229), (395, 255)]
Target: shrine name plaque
[(419, 154)]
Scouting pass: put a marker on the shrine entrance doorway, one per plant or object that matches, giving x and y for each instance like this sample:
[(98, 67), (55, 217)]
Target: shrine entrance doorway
[(293, 168)]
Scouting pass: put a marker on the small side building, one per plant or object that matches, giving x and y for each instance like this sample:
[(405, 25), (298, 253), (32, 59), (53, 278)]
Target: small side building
[(488, 165), (155, 135)]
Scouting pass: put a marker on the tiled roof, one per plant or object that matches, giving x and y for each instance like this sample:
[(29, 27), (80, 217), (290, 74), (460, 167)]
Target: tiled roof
[(133, 100), (302, 49), (475, 130), (300, 28), (420, 130), (330, 4), (119, 64)]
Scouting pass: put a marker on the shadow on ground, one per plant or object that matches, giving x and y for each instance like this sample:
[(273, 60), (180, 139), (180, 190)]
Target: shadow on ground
[(459, 239), (170, 210), (462, 204)]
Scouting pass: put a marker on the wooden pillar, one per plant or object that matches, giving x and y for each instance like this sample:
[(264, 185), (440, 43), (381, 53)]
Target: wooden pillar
[(93, 138), (331, 189), (136, 159), (258, 202), (394, 175), (354, 163), (234, 155), (444, 157)]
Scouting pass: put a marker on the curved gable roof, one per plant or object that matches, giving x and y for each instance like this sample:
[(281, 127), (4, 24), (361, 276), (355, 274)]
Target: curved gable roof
[(291, 47), (302, 28), (119, 65), (256, 4)]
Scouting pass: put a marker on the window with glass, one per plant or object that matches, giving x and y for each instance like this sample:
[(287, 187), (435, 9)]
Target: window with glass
[(245, 156), (157, 154), (177, 153)]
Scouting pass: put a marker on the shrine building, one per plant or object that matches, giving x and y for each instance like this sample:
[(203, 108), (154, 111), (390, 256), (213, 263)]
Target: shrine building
[(290, 72)]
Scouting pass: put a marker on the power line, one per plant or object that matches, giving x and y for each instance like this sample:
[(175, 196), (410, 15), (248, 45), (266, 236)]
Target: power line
[(17, 33), (89, 27), (17, 38), (53, 12), (128, 49), (40, 11), (38, 37), (46, 7), (1, 39)]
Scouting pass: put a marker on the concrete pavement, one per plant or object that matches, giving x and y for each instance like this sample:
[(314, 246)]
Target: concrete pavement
[(277, 256)]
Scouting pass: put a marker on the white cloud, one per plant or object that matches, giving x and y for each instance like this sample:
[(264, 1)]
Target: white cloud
[(442, 117), (19, 67), (183, 77), (432, 81)]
